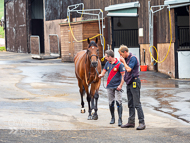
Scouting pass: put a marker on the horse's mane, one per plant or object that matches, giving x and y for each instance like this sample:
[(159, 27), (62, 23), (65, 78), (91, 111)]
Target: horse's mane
[(92, 43)]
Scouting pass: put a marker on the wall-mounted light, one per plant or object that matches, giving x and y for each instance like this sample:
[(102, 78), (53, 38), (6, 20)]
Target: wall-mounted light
[(119, 23)]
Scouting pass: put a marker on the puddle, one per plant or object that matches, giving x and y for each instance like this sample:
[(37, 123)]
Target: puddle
[(37, 106), (157, 92), (168, 101), (20, 98), (25, 61), (173, 115), (4, 62), (50, 73)]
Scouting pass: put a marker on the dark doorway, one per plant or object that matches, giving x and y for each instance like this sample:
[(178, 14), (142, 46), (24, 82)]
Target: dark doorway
[(182, 42), (182, 15), (125, 31), (37, 21)]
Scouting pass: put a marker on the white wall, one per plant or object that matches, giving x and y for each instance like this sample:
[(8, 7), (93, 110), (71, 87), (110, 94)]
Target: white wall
[(184, 64), (134, 51)]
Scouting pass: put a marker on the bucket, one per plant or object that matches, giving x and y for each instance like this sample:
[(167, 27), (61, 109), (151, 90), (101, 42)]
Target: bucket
[(143, 68)]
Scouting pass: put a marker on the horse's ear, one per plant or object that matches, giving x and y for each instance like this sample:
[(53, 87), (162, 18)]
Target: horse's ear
[(88, 41), (96, 40)]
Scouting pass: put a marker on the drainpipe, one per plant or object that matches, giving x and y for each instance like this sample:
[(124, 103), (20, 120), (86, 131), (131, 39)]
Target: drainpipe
[(144, 56), (5, 25)]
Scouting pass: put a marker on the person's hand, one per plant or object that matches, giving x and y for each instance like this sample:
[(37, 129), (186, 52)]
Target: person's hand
[(100, 76), (122, 59), (119, 87)]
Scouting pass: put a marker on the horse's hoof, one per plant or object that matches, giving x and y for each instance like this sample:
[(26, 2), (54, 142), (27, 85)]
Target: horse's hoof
[(82, 110), (95, 117), (89, 117), (93, 111)]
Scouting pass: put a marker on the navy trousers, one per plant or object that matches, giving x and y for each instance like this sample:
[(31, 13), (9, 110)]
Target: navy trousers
[(133, 95)]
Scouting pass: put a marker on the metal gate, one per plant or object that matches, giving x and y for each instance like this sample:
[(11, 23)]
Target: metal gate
[(127, 37), (16, 31), (184, 38)]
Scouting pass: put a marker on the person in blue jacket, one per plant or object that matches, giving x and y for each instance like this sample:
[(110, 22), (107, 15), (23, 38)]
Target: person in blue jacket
[(116, 72), (133, 82)]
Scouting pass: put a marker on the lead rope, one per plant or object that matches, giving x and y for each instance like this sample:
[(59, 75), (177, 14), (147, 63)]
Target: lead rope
[(103, 83), (85, 70), (89, 74), (86, 77), (105, 87)]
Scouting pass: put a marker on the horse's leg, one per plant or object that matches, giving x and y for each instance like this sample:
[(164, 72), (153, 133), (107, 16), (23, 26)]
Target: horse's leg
[(82, 92), (89, 108), (92, 104), (88, 99), (95, 95)]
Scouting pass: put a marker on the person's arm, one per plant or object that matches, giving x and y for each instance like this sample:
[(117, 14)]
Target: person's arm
[(128, 69), (122, 81), (102, 74)]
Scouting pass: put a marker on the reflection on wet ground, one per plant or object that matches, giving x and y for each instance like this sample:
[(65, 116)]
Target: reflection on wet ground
[(169, 96), (55, 74), (158, 91), (39, 107)]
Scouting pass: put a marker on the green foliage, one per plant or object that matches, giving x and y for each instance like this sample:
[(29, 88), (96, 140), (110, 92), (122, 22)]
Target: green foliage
[(2, 32), (2, 49), (2, 35)]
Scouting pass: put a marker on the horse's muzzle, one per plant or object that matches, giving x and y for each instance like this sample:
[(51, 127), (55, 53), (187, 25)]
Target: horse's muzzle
[(94, 64)]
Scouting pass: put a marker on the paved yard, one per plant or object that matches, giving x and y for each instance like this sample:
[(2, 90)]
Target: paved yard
[(40, 102)]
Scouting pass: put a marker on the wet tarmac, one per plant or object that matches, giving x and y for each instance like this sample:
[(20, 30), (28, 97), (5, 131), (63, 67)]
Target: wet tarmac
[(47, 91), (99, 136), (159, 91), (163, 94)]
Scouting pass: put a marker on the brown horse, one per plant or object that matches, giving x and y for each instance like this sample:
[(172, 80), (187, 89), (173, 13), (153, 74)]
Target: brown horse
[(87, 69)]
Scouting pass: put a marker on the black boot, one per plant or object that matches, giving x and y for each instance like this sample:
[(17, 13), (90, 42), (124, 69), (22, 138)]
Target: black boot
[(119, 109), (112, 113)]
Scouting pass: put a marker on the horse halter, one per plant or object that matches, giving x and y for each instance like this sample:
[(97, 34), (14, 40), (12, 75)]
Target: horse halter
[(89, 73), (97, 56), (93, 55), (92, 43)]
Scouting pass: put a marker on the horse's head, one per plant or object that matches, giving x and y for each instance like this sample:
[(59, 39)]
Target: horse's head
[(93, 52)]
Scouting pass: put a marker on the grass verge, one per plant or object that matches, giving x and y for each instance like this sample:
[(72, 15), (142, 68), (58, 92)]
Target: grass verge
[(2, 49), (2, 32)]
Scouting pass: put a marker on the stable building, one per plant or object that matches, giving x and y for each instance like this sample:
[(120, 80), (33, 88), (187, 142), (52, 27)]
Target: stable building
[(139, 24), (130, 25), (40, 18)]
